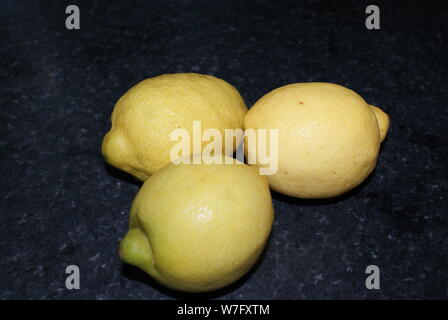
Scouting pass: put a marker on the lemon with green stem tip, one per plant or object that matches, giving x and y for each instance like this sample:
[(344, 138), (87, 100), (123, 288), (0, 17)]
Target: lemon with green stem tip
[(199, 227)]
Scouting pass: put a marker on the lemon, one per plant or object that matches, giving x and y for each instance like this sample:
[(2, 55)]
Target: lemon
[(328, 137), (145, 116), (199, 227)]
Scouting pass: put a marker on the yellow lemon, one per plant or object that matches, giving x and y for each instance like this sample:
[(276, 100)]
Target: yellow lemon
[(328, 137), (199, 227), (144, 117)]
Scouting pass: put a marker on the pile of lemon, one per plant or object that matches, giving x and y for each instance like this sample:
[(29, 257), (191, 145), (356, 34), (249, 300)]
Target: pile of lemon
[(201, 226)]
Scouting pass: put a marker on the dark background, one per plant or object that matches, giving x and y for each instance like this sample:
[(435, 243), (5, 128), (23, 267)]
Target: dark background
[(61, 205)]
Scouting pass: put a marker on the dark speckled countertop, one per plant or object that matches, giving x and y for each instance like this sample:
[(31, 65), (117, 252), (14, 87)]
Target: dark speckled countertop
[(61, 205)]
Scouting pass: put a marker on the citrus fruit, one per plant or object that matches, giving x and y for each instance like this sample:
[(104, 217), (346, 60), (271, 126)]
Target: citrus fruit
[(199, 227), (144, 117), (328, 137)]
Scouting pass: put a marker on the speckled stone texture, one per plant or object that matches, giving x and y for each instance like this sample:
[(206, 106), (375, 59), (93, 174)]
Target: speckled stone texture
[(61, 205)]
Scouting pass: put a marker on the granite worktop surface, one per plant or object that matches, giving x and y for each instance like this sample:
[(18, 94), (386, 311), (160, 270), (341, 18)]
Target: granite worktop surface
[(61, 205)]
